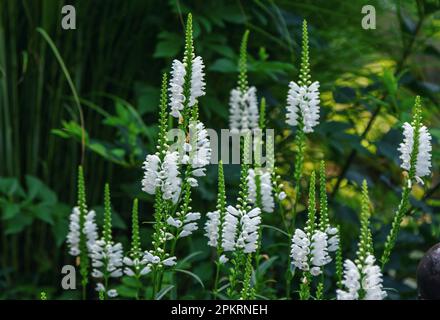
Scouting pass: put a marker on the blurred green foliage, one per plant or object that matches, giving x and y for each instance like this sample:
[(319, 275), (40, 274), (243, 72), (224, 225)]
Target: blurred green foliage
[(116, 56)]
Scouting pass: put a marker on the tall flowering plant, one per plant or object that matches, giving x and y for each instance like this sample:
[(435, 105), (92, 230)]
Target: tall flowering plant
[(170, 173), (362, 277), (415, 153)]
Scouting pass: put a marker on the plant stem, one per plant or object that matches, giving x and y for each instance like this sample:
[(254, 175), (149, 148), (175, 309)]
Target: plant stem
[(395, 227), (217, 276)]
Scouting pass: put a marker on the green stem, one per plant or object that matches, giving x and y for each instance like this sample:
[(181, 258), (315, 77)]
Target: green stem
[(217, 276), (395, 227)]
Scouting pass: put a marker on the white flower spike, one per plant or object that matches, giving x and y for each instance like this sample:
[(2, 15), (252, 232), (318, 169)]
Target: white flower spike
[(303, 101), (423, 163), (243, 110), (310, 253), (366, 276), (241, 229), (90, 230)]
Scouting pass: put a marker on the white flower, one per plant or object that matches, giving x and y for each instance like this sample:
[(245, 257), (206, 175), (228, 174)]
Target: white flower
[(197, 153), (235, 111), (366, 276), (250, 97), (163, 175), (252, 186), (309, 253), (319, 252), (266, 191), (177, 81), (197, 80), (223, 259), (107, 258), (423, 163), (372, 280), (174, 222), (351, 282), (136, 267), (186, 223), (249, 230), (176, 88), (99, 287), (200, 152), (333, 239), (241, 229), (150, 258), (151, 178), (112, 293), (300, 250), (282, 195), (243, 110), (169, 262), (304, 100), (170, 177), (212, 227), (192, 216), (90, 230), (230, 229)]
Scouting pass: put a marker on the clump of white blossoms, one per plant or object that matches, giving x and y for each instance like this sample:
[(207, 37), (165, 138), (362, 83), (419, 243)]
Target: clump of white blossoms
[(365, 277), (333, 239), (309, 252), (151, 259), (303, 96), (187, 225), (423, 160), (243, 110), (303, 101), (107, 255), (212, 228), (243, 103), (178, 74), (163, 175), (197, 153), (266, 189), (309, 249), (135, 267), (90, 230), (240, 229)]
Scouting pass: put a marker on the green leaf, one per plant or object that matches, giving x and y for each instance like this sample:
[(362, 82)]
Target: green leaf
[(38, 190), (266, 265), (276, 229), (147, 98), (127, 292), (169, 46), (11, 187), (43, 212), (18, 224), (196, 277), (10, 210), (163, 292), (59, 231), (131, 282), (223, 65), (390, 82), (189, 257)]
